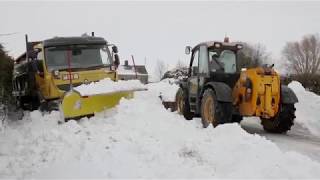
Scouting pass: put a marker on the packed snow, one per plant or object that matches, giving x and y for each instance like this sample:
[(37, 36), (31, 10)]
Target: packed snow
[(308, 108), (108, 86), (141, 139), (166, 89)]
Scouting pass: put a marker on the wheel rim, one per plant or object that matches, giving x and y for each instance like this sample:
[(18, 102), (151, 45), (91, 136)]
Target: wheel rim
[(209, 110)]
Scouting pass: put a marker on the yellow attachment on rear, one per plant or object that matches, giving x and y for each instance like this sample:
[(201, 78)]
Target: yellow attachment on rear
[(74, 105), (257, 92)]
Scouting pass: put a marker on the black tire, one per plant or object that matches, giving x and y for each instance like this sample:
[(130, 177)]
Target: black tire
[(236, 118), (28, 103), (23, 103), (282, 122), (44, 107), (35, 103), (183, 106), (213, 111)]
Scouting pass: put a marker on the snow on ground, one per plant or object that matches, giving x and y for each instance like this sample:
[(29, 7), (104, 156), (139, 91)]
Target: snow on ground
[(308, 108), (109, 86), (166, 88), (140, 139)]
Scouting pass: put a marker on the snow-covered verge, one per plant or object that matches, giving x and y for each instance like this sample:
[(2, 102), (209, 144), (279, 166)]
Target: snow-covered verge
[(140, 139), (109, 86), (166, 88), (308, 108)]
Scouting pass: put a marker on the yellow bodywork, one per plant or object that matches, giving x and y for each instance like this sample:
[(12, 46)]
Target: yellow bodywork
[(257, 92), (73, 105)]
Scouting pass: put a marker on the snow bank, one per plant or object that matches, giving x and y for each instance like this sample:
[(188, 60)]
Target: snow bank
[(140, 139), (308, 108), (166, 88), (109, 86)]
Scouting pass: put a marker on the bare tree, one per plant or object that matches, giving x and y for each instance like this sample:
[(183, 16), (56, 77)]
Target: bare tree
[(303, 57), (253, 55), (160, 68), (181, 64)]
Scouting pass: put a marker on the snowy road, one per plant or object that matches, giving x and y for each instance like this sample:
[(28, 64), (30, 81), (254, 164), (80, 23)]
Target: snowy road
[(298, 139), (141, 139)]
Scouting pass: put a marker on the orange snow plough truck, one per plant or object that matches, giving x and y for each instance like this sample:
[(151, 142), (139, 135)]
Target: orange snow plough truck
[(220, 90)]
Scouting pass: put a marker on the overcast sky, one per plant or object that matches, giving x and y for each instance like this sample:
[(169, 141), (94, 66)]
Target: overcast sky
[(160, 30)]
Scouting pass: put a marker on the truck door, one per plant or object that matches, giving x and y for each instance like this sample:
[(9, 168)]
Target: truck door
[(199, 71), (203, 67), (40, 80), (193, 82)]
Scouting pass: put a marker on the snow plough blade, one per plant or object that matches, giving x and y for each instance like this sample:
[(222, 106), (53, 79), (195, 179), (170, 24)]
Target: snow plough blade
[(74, 106)]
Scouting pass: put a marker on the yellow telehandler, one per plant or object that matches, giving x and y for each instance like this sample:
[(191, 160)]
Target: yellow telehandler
[(47, 73), (220, 91)]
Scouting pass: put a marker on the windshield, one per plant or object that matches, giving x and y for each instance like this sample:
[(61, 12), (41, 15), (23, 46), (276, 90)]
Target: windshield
[(225, 62), (81, 56)]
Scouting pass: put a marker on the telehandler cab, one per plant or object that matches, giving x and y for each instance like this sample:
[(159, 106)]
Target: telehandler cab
[(220, 91)]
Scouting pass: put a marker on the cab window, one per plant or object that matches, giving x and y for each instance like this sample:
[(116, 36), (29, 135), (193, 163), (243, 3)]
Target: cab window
[(222, 62), (203, 60), (195, 63)]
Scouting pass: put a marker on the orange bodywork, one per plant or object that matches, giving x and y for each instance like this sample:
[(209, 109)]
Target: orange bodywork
[(257, 93)]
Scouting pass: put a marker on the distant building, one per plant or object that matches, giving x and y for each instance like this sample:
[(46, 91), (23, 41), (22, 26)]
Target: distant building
[(129, 72)]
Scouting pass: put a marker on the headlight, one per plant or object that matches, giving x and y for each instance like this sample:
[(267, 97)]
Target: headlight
[(239, 46), (86, 81), (75, 76), (56, 74)]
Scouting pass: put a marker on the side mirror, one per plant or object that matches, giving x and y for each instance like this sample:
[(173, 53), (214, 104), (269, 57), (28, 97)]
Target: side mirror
[(114, 49), (33, 54), (188, 50)]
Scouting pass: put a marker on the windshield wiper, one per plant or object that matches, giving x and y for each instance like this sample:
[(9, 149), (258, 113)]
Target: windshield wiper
[(84, 68), (72, 68)]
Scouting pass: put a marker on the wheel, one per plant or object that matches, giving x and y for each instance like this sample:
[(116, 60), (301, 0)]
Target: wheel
[(213, 111), (28, 103), (22, 103), (35, 103), (282, 122), (48, 106), (44, 107), (236, 118), (183, 106)]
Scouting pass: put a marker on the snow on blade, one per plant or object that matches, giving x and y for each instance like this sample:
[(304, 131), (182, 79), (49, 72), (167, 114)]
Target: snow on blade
[(308, 108), (108, 86), (140, 139)]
